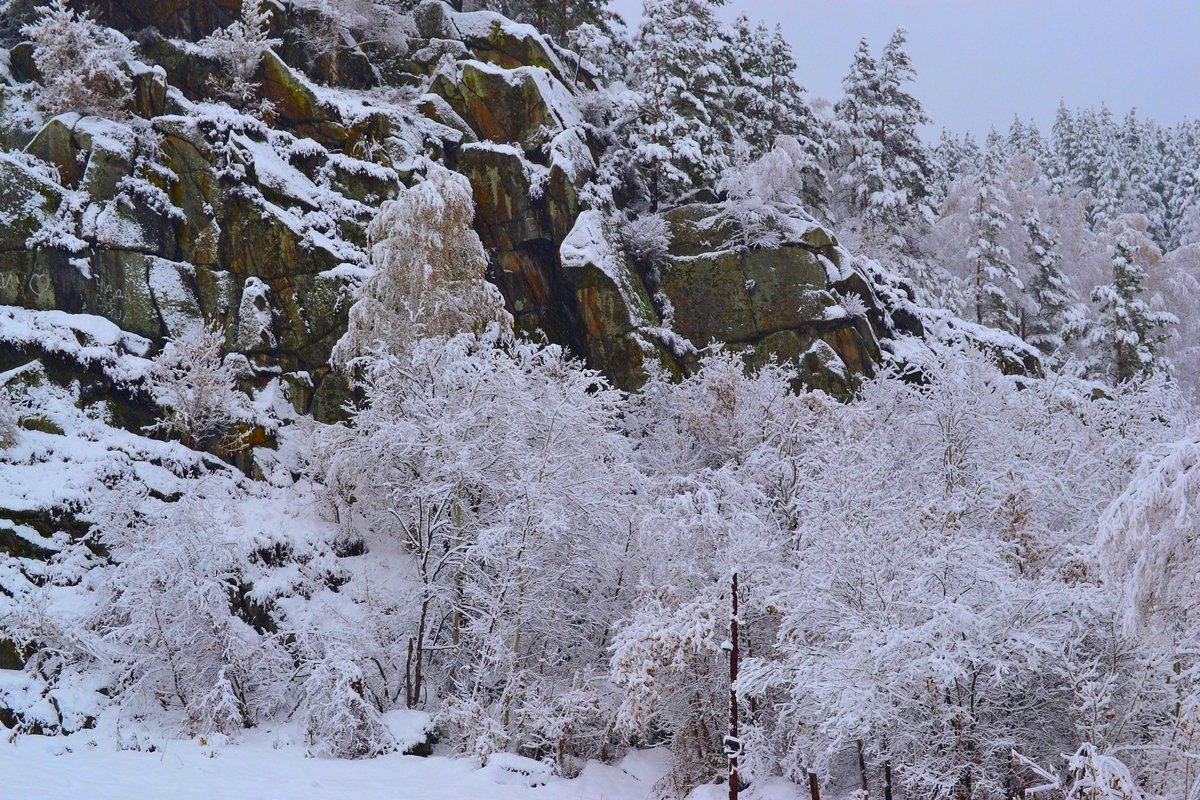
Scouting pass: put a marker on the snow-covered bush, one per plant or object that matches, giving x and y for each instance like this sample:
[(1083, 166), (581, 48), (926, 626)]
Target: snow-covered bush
[(647, 238), (164, 623), (8, 419), (338, 719), (486, 463), (196, 389), (764, 196), (239, 48), (330, 27), (82, 64)]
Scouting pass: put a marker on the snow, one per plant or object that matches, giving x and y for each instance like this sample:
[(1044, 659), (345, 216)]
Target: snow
[(274, 173), (173, 297), (481, 25), (589, 244), (84, 337), (267, 767)]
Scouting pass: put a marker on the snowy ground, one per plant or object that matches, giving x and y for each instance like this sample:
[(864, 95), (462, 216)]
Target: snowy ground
[(79, 766)]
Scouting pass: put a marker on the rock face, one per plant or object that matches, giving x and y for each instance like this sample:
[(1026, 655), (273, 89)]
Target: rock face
[(784, 302), (193, 211)]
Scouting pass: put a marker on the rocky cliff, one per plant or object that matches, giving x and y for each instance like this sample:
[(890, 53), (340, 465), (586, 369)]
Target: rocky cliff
[(193, 210)]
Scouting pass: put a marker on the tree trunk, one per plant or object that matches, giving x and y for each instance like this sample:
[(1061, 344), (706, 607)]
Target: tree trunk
[(862, 767), (814, 788), (732, 745)]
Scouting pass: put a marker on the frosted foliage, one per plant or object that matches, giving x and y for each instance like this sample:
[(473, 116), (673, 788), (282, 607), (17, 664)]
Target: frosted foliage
[(82, 64), (486, 465), (764, 196), (429, 268), (542, 564), (9, 431), (239, 49), (196, 388), (161, 623), (1148, 536), (911, 625), (647, 237)]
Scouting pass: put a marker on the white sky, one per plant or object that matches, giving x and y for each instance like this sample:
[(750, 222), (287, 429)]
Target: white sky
[(980, 61)]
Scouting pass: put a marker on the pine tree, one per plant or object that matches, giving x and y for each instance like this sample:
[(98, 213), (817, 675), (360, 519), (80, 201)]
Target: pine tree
[(1065, 148), (954, 158), (559, 17), (681, 139), (994, 271), (1130, 332), (767, 100), (1184, 161), (1146, 191), (885, 167), (1025, 139), (905, 156), (1049, 289), (1111, 180), (859, 118)]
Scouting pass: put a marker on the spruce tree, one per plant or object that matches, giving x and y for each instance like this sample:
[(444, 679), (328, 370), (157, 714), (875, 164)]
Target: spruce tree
[(1146, 189), (905, 157), (1129, 332), (767, 100), (993, 269), (1065, 148), (860, 124), (682, 136), (1049, 289), (886, 169)]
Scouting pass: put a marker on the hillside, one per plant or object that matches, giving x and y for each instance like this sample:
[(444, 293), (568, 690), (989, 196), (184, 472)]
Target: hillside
[(372, 386)]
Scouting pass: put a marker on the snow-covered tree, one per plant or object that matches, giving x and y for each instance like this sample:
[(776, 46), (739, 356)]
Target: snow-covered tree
[(954, 158), (604, 51), (859, 117), (885, 169), (239, 48), (767, 100), (1128, 332), (905, 156), (682, 136), (994, 275), (486, 462), (196, 387), (559, 18), (82, 64), (329, 28), (428, 277), (1049, 289)]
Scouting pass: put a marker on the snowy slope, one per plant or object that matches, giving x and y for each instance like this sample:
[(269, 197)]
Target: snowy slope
[(67, 768)]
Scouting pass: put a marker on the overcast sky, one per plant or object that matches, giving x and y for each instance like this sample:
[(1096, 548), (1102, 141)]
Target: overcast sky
[(980, 61)]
